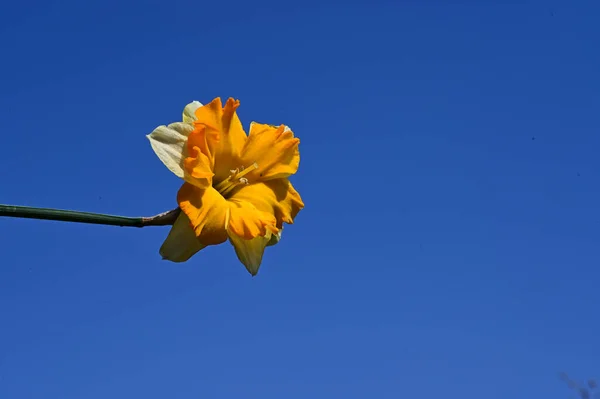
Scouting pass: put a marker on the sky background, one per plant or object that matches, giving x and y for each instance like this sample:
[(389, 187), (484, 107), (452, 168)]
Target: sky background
[(449, 246)]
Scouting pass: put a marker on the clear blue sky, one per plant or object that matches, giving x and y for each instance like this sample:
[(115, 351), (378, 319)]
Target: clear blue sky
[(450, 242)]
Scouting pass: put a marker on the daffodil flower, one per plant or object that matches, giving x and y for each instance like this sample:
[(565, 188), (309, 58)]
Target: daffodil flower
[(235, 186)]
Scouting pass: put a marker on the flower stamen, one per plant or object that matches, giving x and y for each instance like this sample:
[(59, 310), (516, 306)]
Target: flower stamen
[(235, 178)]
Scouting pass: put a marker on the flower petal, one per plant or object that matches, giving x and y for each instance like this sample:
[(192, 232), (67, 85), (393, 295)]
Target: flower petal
[(169, 144), (276, 237), (199, 167), (258, 212), (274, 149), (189, 115), (181, 243), (224, 134), (276, 197), (248, 222), (208, 212), (199, 145), (250, 252)]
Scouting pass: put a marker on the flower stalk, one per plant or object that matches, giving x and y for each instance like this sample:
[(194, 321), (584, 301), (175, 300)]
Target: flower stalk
[(63, 215)]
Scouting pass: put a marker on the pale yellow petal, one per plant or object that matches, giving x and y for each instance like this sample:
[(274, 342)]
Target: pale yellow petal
[(189, 115), (181, 243), (250, 252), (169, 144), (276, 237)]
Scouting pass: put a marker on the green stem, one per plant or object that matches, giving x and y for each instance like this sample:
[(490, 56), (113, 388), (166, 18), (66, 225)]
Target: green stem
[(162, 219)]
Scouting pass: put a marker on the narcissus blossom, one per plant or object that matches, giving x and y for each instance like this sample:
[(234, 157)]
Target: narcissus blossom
[(235, 186)]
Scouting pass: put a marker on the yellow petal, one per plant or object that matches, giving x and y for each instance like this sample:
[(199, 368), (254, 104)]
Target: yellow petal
[(200, 141), (169, 144), (199, 167), (189, 112), (224, 134), (248, 222), (274, 149), (276, 237), (208, 212), (276, 197), (181, 243), (250, 252), (172, 146)]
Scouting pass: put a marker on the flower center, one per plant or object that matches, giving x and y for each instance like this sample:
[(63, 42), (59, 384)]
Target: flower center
[(235, 179)]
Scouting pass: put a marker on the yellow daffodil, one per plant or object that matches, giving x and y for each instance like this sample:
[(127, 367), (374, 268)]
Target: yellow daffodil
[(235, 186)]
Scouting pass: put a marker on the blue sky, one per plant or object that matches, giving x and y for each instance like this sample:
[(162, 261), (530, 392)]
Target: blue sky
[(450, 169)]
